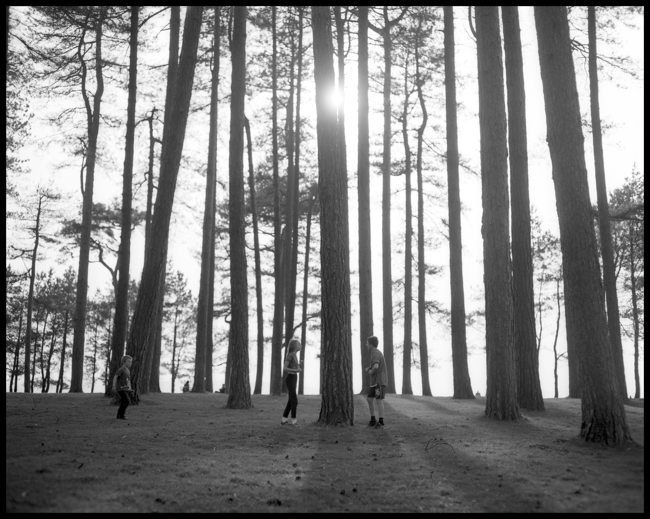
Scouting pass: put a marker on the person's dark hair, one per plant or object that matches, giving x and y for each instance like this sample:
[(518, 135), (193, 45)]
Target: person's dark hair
[(373, 341)]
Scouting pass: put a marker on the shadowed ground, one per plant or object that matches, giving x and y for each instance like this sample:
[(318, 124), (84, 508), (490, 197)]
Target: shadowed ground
[(188, 453)]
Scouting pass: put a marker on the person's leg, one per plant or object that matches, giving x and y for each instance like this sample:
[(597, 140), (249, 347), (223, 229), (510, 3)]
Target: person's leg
[(287, 408), (371, 405), (380, 405), (124, 402), (380, 409), (292, 382)]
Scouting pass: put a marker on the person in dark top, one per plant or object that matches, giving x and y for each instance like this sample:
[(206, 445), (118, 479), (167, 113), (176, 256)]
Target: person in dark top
[(122, 385)]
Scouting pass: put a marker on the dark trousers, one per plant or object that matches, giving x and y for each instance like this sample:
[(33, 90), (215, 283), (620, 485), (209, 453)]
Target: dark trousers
[(292, 404), (124, 403)]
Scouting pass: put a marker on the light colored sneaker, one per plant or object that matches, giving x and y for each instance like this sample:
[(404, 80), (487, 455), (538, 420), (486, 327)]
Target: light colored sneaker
[(284, 420), (294, 421)]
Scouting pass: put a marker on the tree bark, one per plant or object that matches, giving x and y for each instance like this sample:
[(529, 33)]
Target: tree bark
[(93, 117), (603, 413), (204, 311), (278, 308), (363, 171), (408, 254), (30, 300), (121, 317), (529, 391), (607, 250), (258, 267), (143, 326), (239, 396), (422, 314), (501, 392), (462, 383), (336, 367)]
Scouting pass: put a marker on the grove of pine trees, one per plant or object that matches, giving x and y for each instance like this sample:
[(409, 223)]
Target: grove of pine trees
[(208, 194)]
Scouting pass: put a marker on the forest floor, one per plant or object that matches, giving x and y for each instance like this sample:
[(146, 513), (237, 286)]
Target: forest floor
[(179, 453)]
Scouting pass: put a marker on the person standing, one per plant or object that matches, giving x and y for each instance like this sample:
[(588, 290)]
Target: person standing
[(122, 385), (291, 370), (378, 382)]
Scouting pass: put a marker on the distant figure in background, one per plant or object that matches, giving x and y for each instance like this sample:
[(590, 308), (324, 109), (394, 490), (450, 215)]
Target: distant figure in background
[(378, 382), (291, 370), (122, 384), (222, 389), (186, 387)]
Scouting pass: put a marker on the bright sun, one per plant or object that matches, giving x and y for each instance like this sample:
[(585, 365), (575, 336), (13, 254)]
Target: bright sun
[(335, 99)]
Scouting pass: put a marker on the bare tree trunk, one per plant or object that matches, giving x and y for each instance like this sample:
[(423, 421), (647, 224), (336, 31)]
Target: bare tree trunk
[(145, 317), (93, 116), (635, 312), (30, 299), (609, 274), (337, 405), (303, 334), (13, 382), (603, 413), (462, 383), (387, 276), (408, 253), (59, 384), (422, 315), (557, 331), (290, 206), (278, 312), (124, 254), (239, 396), (501, 393), (204, 311), (258, 267), (363, 170), (529, 391)]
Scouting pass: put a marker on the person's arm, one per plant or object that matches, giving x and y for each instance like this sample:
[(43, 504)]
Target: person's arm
[(373, 367), (115, 382), (287, 363)]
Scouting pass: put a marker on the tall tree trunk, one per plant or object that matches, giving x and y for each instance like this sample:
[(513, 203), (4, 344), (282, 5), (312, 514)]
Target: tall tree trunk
[(635, 311), (290, 205), (408, 254), (296, 189), (258, 266), (303, 334), (337, 405), (609, 274), (124, 253), (603, 413), (278, 308), (239, 396), (13, 382), (59, 384), (363, 170), (422, 315), (93, 118), (151, 371), (557, 330), (204, 311), (143, 325), (462, 383), (501, 392), (529, 391), (30, 300), (296, 186), (387, 276)]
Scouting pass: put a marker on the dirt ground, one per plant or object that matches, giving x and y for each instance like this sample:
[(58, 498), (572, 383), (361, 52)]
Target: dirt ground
[(180, 453)]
